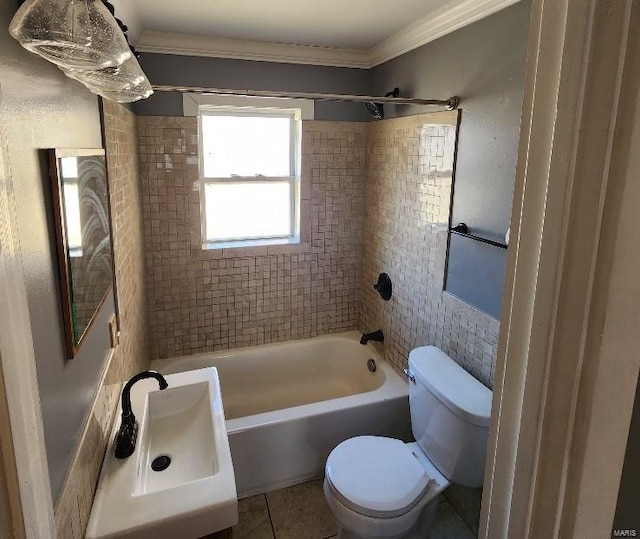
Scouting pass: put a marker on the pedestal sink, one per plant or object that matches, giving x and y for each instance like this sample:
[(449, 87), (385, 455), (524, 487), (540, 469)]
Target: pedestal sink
[(179, 482)]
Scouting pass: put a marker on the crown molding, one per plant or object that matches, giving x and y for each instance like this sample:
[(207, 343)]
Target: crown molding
[(242, 49), (437, 24), (455, 15)]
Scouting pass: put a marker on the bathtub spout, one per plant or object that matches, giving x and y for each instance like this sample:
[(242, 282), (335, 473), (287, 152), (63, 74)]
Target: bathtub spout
[(377, 336)]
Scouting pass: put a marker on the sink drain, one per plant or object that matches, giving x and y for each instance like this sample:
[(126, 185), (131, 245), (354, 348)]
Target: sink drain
[(161, 463)]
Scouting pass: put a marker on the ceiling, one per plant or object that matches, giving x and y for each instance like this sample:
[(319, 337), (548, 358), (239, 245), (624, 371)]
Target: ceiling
[(347, 24), (354, 33)]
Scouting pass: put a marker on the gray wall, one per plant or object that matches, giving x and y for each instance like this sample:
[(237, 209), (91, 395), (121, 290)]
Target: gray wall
[(483, 64), (40, 108), (475, 273), (249, 75)]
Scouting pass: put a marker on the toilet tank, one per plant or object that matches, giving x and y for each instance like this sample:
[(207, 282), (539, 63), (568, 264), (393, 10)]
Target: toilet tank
[(450, 414)]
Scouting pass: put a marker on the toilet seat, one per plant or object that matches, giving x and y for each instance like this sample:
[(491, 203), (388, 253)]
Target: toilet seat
[(377, 476)]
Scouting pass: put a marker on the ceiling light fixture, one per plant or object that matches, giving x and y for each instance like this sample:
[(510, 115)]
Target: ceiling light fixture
[(87, 41)]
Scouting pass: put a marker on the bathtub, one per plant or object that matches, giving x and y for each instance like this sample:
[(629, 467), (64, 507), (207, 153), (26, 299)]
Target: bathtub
[(287, 405)]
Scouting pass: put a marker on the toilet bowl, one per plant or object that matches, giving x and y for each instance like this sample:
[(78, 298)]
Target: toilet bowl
[(379, 487), (382, 487)]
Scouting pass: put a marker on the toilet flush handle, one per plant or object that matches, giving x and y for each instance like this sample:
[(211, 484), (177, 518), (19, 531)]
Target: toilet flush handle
[(410, 375)]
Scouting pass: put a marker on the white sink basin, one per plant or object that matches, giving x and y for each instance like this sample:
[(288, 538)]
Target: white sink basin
[(196, 494)]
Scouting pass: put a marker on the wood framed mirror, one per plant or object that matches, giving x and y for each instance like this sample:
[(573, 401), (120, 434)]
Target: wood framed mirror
[(83, 232)]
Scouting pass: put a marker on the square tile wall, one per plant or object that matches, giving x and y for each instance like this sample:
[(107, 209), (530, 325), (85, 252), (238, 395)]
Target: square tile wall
[(203, 300), (132, 355), (125, 198), (398, 172), (409, 183)]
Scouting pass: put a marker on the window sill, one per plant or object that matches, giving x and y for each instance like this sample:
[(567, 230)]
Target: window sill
[(264, 249), (252, 243)]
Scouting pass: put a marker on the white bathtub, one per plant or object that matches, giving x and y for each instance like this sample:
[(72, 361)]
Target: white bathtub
[(288, 405)]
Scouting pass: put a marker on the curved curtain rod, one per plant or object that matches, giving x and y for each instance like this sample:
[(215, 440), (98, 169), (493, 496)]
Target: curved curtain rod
[(450, 104)]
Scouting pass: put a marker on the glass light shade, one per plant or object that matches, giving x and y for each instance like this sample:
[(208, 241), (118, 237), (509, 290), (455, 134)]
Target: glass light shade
[(129, 95), (111, 79), (74, 34)]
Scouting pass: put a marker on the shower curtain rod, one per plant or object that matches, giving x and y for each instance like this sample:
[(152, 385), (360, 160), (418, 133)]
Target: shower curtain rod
[(450, 104)]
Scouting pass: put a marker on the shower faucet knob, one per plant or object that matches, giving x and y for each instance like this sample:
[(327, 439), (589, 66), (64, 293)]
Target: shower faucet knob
[(384, 287)]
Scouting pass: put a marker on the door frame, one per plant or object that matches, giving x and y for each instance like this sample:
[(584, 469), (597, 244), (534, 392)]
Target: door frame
[(23, 447), (565, 377)]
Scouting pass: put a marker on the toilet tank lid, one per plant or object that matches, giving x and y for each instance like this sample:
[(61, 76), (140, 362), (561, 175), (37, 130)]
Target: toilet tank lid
[(451, 384)]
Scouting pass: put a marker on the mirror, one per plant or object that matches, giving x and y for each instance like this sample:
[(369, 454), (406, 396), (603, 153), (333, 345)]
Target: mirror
[(83, 232)]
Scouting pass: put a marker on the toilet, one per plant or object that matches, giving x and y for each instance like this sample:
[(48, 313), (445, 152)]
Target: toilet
[(379, 487)]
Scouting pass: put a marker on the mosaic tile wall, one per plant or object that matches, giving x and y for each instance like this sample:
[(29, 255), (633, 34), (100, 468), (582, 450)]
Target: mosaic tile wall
[(132, 355), (409, 182), (202, 300), (123, 168)]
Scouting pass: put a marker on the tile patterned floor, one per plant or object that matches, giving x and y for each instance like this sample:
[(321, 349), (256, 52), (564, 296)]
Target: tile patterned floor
[(300, 512)]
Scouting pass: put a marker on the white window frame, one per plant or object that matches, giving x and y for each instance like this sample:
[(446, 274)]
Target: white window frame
[(295, 114)]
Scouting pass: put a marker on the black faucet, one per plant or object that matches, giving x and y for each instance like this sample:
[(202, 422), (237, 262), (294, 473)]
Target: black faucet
[(377, 336), (126, 439)]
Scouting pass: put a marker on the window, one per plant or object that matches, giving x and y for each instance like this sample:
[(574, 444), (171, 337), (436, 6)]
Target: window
[(250, 176)]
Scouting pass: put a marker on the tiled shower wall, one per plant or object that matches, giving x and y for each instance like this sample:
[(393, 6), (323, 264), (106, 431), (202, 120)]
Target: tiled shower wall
[(409, 184), (202, 300), (397, 173), (132, 354)]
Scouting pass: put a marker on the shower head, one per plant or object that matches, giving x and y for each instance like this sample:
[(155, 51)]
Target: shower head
[(377, 109)]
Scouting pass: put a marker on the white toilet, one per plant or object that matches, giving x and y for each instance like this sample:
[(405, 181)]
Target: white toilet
[(380, 487)]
